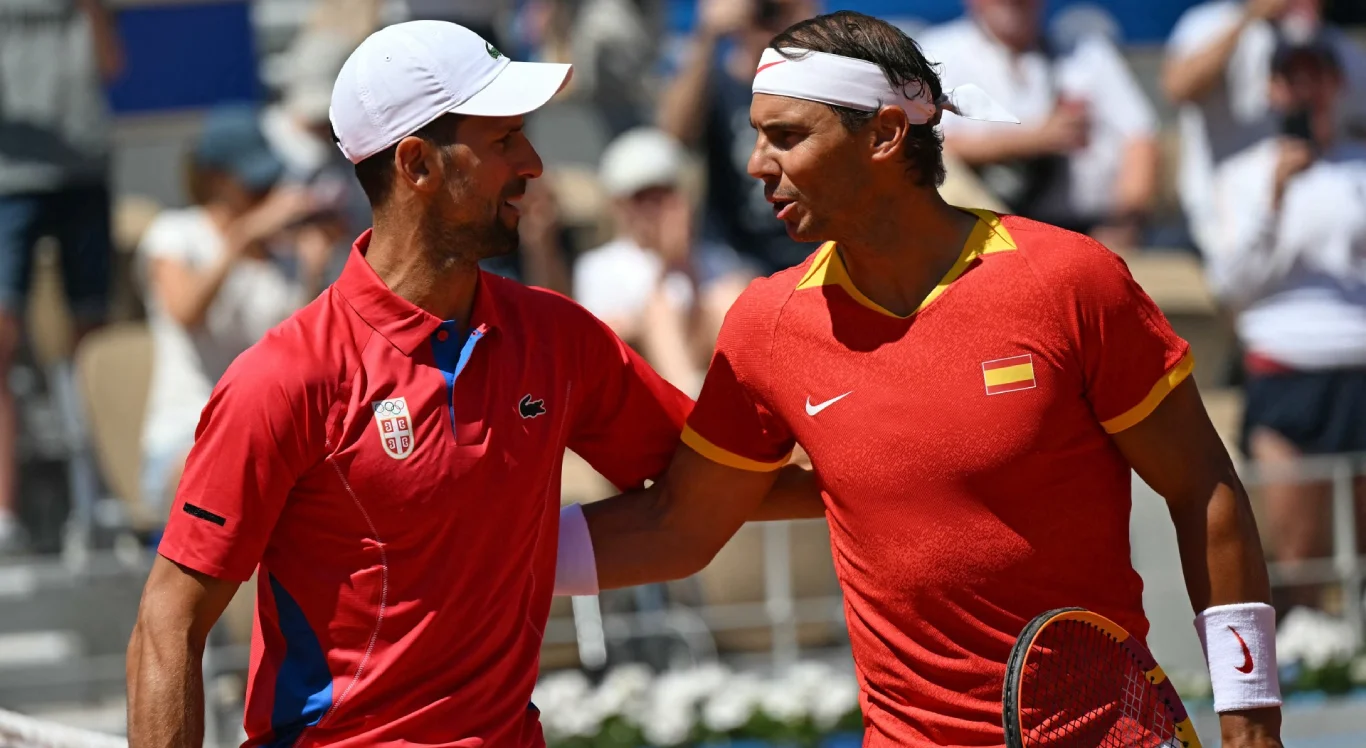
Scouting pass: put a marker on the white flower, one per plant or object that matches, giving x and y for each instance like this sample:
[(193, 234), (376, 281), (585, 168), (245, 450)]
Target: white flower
[(669, 723), (564, 700), (731, 706), (837, 698), (581, 723), (624, 691), (785, 700), (1314, 638)]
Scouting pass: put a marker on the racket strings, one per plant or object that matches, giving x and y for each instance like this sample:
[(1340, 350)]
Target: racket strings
[(1082, 689)]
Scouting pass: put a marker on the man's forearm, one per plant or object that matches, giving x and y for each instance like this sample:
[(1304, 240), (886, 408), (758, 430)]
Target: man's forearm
[(1003, 144), (165, 694), (683, 107), (1221, 553), (1136, 188), (1189, 77), (633, 542)]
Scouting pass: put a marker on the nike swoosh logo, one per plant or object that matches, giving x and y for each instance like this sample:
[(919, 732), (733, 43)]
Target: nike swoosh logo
[(1246, 667), (812, 410), (766, 66)]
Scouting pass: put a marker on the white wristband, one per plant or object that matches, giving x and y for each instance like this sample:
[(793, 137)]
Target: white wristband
[(576, 570), (1239, 641)]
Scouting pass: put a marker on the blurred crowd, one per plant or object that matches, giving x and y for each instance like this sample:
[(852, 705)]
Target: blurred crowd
[(648, 217)]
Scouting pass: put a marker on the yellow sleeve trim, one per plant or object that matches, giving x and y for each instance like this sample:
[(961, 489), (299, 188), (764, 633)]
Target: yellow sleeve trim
[(1176, 375), (721, 456)]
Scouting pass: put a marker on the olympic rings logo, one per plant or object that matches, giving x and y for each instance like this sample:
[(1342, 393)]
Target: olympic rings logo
[(390, 407)]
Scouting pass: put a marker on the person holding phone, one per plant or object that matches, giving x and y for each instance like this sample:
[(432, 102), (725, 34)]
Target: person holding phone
[(1085, 157), (1290, 262), (215, 282), (706, 105), (1215, 70)]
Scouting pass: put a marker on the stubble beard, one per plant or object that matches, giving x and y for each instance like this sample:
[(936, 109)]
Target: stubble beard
[(466, 243)]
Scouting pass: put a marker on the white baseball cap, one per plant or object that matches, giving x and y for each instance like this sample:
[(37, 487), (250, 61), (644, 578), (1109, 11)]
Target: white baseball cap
[(641, 158), (405, 76)]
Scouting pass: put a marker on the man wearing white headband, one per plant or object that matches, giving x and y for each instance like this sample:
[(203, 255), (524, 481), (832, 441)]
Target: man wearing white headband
[(973, 391)]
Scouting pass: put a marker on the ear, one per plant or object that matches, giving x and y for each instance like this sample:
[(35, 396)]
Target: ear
[(888, 129), (418, 164)]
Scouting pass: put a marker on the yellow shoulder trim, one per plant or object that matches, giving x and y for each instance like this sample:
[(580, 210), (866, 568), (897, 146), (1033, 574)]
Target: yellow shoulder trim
[(1176, 375), (721, 456)]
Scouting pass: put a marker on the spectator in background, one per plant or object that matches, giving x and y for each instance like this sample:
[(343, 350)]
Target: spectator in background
[(658, 289), (298, 131), (541, 30), (1216, 66), (707, 105), (214, 286), (1289, 259), (615, 46), (1085, 155), (54, 180)]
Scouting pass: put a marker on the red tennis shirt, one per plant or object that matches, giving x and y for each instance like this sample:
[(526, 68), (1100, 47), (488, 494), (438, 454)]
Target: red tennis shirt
[(970, 480), (398, 484)]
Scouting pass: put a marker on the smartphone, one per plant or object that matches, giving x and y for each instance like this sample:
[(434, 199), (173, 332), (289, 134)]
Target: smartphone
[(1297, 125)]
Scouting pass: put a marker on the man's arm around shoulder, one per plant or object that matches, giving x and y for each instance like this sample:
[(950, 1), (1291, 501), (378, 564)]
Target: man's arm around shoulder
[(674, 528)]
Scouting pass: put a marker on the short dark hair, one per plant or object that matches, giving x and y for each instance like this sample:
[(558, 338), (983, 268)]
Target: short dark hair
[(376, 173), (863, 37)]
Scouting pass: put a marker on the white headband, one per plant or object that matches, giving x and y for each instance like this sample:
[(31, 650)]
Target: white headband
[(861, 85)]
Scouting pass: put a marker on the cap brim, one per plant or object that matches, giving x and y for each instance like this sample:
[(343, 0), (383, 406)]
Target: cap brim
[(522, 87)]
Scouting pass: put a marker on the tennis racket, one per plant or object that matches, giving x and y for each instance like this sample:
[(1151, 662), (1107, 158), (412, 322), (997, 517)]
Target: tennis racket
[(1076, 679)]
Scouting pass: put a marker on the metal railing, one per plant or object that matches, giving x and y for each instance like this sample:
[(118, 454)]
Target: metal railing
[(1346, 566), (782, 612)]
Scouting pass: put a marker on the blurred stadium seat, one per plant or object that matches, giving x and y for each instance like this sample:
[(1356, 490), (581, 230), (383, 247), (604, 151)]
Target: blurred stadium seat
[(113, 372)]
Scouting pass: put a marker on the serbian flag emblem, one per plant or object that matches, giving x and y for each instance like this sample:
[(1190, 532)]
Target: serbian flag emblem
[(1009, 374)]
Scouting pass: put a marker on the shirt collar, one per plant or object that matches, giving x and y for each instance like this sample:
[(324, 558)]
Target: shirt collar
[(400, 321)]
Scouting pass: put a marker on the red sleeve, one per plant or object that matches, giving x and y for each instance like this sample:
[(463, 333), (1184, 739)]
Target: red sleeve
[(259, 432), (731, 424), (629, 418), (1130, 357)]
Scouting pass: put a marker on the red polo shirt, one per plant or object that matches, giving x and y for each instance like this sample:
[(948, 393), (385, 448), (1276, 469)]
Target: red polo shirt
[(397, 482)]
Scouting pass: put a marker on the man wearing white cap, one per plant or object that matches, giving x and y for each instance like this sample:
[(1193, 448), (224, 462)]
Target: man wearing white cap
[(387, 461), (660, 289), (973, 391)]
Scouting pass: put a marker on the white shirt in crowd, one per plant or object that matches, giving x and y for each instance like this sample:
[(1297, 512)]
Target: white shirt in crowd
[(1030, 85), (617, 280), (1297, 278), (1236, 114), (186, 364)]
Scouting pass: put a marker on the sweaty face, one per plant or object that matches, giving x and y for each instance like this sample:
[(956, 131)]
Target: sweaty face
[(485, 175), (812, 168)]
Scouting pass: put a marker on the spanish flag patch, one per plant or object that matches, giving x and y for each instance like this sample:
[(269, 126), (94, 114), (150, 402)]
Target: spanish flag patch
[(1009, 374)]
